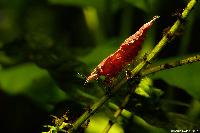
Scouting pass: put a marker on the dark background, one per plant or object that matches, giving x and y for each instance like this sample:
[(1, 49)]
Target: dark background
[(44, 44)]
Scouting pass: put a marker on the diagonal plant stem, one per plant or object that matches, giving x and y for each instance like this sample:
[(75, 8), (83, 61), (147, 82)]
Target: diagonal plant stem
[(119, 110), (170, 65), (137, 69), (166, 37), (95, 107)]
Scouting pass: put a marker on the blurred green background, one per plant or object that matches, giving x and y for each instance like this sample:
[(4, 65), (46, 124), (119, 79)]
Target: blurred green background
[(46, 45)]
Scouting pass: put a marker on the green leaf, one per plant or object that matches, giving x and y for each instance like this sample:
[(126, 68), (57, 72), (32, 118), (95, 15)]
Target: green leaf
[(141, 4), (185, 77), (182, 121), (30, 80), (16, 79), (100, 52), (81, 3), (145, 88), (9, 30)]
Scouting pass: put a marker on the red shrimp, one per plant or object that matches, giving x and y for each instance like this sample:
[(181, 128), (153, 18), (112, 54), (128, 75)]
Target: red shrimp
[(113, 64)]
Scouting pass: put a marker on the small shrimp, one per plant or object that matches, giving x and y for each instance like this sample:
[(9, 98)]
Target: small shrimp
[(113, 64)]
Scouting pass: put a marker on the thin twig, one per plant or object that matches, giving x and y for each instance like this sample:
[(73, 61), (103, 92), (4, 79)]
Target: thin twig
[(170, 65), (119, 111), (137, 69)]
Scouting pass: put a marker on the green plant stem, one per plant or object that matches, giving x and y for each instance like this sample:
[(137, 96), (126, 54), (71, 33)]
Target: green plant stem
[(95, 107), (170, 65), (135, 71), (119, 111), (165, 38)]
